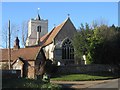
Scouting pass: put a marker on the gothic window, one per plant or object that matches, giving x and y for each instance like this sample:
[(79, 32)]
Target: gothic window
[(67, 50)]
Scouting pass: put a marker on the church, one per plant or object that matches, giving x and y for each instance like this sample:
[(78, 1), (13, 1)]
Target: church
[(57, 44), (41, 45)]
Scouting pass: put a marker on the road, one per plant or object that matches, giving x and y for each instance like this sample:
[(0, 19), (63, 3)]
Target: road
[(90, 85), (115, 83)]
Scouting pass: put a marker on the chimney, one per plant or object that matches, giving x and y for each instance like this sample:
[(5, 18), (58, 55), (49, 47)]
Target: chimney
[(38, 35), (16, 43)]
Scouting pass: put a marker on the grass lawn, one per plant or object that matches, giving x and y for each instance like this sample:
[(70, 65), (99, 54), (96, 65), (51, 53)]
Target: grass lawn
[(84, 77)]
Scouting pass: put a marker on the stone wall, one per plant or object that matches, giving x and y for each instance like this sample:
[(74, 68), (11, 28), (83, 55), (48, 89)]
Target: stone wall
[(86, 68)]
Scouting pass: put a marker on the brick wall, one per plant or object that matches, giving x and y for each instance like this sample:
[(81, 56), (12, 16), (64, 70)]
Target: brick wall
[(31, 69)]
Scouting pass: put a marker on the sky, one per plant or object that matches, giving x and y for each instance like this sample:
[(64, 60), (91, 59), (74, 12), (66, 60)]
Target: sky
[(119, 13), (57, 12)]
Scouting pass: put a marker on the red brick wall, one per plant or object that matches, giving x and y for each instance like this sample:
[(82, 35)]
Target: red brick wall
[(31, 69)]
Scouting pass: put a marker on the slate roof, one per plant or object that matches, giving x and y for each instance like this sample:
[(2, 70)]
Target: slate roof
[(25, 53)]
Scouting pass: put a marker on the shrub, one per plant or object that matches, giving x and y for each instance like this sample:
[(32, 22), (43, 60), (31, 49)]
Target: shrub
[(29, 83), (5, 66)]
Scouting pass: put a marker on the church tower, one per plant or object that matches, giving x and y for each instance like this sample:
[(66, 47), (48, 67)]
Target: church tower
[(33, 24)]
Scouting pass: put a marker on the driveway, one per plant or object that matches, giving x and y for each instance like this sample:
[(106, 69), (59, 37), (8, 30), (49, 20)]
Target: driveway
[(115, 83), (81, 84)]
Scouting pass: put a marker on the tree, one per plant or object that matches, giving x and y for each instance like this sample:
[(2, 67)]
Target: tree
[(99, 22), (105, 45), (16, 30), (101, 45), (80, 41), (24, 32), (4, 36), (5, 66), (13, 34)]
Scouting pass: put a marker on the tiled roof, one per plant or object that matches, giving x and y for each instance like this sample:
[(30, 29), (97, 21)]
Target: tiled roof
[(48, 38), (25, 53)]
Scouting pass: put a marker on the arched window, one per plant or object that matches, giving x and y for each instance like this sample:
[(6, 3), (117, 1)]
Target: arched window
[(67, 50)]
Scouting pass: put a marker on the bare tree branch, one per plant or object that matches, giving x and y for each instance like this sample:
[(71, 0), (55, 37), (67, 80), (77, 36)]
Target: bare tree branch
[(24, 32), (13, 34)]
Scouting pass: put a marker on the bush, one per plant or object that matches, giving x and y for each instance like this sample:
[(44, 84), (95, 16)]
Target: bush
[(51, 86), (5, 66), (50, 68), (29, 83)]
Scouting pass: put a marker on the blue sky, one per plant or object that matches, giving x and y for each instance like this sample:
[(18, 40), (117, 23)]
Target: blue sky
[(119, 13), (56, 12)]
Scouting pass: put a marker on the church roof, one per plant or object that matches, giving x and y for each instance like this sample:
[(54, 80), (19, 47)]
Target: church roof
[(25, 53), (38, 17), (48, 38)]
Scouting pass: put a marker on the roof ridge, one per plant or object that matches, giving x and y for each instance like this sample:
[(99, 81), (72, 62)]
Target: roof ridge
[(53, 33), (26, 53), (62, 24), (47, 36)]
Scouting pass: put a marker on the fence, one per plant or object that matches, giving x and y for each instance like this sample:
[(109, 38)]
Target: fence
[(87, 68), (11, 74)]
